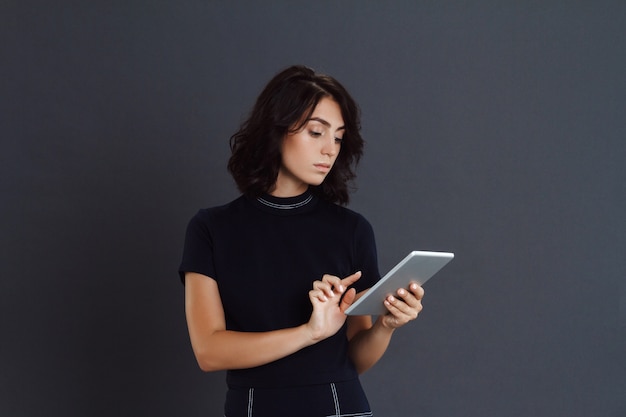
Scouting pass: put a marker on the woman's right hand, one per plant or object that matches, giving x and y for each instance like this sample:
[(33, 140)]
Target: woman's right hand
[(328, 305)]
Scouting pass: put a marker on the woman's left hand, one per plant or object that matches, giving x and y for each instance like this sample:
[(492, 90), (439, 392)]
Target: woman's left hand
[(404, 307)]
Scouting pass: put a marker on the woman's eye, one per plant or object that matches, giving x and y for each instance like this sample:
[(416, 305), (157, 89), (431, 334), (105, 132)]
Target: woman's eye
[(338, 140), (315, 134)]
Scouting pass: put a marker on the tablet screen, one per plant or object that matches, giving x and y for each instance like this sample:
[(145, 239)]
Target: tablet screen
[(418, 266)]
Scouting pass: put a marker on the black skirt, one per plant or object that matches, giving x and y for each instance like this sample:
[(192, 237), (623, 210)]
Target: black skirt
[(335, 399)]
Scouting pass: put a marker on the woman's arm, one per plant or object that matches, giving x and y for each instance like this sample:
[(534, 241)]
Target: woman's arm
[(216, 348), (369, 342)]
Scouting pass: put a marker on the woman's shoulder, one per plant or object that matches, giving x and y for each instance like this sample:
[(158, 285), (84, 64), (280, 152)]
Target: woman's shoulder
[(218, 212), (345, 213)]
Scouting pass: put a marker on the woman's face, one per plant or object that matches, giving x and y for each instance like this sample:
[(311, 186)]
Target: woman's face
[(309, 154)]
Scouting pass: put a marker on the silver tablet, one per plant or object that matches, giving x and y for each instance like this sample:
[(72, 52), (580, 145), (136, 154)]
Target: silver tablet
[(418, 267)]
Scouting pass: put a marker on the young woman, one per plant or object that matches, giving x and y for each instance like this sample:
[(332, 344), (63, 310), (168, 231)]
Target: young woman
[(268, 276)]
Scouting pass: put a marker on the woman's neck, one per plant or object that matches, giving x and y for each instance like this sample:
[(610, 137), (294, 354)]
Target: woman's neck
[(286, 191)]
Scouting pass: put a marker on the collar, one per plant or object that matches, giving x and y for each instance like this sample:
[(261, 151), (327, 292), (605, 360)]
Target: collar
[(286, 205)]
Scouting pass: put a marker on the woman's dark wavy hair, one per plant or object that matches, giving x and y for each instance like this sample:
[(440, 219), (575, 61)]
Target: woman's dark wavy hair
[(284, 106)]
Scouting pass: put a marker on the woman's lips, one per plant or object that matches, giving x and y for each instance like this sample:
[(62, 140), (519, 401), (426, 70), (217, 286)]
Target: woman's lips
[(322, 167)]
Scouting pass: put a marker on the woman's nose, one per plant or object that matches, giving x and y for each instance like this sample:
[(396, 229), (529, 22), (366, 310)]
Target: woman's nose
[(329, 147)]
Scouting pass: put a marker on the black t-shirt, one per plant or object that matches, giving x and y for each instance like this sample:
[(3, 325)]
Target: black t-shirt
[(265, 254)]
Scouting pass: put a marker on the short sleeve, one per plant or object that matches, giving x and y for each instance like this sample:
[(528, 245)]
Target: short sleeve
[(198, 248), (365, 255)]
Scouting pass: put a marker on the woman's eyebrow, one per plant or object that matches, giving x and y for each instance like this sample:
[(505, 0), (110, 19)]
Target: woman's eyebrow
[(325, 123)]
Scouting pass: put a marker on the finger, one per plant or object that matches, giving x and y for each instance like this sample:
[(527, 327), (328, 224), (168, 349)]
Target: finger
[(408, 297), (413, 296), (325, 287), (351, 279), (417, 290), (317, 295), (396, 306), (402, 309), (347, 299), (335, 283), (394, 317)]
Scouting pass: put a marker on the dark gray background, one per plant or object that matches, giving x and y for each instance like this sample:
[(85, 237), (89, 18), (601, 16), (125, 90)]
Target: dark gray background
[(494, 130)]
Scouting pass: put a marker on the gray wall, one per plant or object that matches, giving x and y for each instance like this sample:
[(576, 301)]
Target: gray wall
[(494, 129)]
